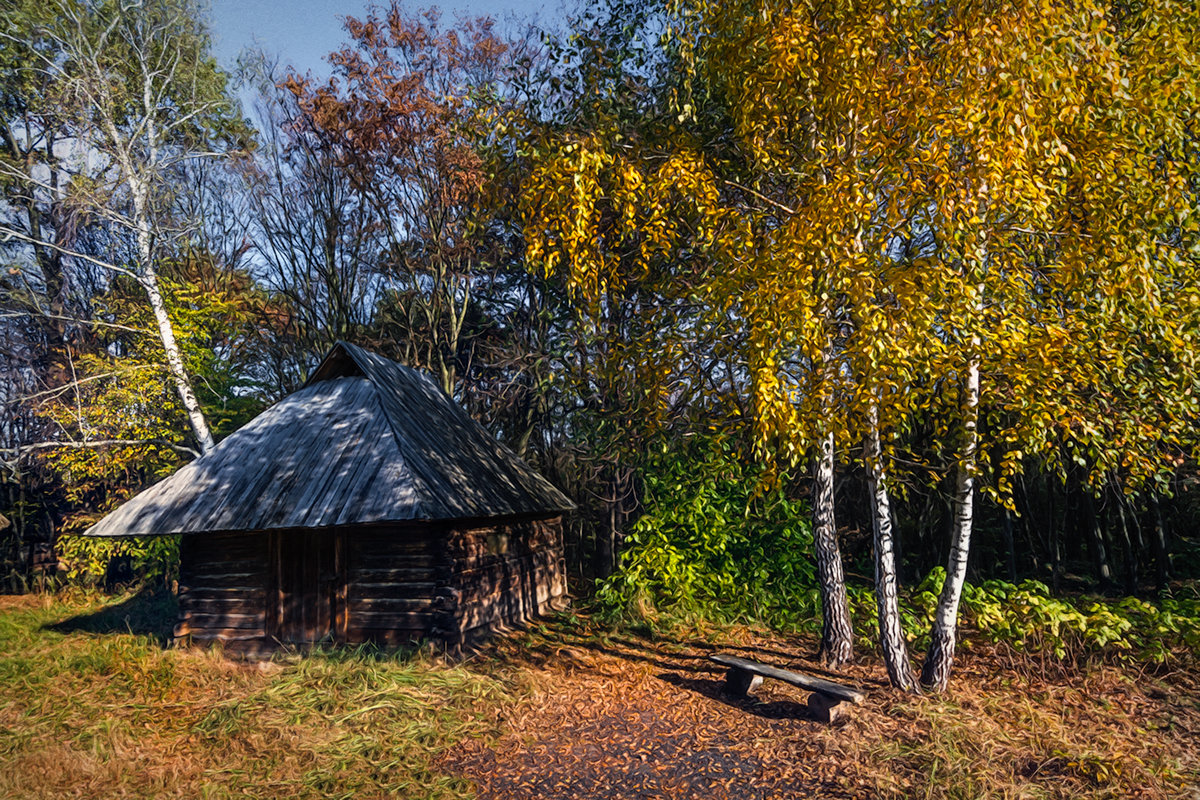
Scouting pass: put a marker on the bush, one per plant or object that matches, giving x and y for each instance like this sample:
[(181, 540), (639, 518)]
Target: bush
[(145, 560), (714, 544), (1026, 616)]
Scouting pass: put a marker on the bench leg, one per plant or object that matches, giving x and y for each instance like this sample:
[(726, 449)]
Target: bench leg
[(740, 682), (825, 708)]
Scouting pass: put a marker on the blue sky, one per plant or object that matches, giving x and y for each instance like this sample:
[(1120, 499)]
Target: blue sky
[(302, 32)]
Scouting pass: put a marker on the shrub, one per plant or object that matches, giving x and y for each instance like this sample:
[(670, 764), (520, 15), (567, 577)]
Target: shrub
[(714, 544), (147, 560)]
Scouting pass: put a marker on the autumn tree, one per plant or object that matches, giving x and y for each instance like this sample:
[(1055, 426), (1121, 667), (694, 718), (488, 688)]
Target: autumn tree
[(403, 117), (315, 234), (139, 96), (1043, 204), (619, 208), (800, 83), (888, 124)]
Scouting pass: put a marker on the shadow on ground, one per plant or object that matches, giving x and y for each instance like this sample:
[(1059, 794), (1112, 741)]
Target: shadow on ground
[(715, 690), (150, 614), (626, 714)]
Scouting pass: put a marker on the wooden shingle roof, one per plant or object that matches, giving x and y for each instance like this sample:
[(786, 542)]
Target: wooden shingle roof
[(365, 440)]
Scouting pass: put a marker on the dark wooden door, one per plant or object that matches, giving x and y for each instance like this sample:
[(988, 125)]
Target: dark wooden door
[(306, 579)]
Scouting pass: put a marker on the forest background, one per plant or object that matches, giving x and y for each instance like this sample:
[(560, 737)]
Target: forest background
[(841, 316)]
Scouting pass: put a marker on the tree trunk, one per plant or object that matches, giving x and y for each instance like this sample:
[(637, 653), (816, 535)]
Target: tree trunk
[(1053, 538), (1096, 545), (837, 634), (891, 629), (1162, 555), (1127, 552), (1010, 546), (935, 673), (166, 329)]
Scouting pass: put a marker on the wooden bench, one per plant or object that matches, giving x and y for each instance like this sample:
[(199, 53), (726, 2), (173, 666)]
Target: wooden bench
[(828, 700)]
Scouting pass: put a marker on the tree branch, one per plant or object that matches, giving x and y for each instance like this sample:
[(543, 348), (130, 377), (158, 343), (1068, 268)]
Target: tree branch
[(15, 454), (7, 234)]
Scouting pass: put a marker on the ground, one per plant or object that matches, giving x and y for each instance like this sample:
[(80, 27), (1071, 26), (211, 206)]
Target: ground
[(94, 705)]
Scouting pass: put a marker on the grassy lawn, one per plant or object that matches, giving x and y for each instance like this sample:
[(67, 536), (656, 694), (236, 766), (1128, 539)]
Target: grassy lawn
[(92, 705), (90, 711)]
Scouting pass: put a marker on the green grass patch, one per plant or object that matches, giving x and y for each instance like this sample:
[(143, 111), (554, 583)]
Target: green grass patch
[(94, 705)]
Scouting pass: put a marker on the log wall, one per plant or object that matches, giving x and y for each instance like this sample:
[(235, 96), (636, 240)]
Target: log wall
[(392, 580), (501, 575), (387, 584), (223, 587)]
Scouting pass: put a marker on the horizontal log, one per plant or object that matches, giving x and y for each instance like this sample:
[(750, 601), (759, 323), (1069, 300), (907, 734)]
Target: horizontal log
[(386, 620), (222, 606), (507, 608), (510, 578), (358, 562), (372, 573), (230, 578), (380, 605), (201, 635), (544, 558), (373, 591), (528, 536), (221, 620), (225, 548), (361, 542), (199, 591)]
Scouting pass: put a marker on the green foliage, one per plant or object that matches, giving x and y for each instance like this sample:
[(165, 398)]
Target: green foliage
[(1028, 617), (713, 544), (125, 396), (147, 560)]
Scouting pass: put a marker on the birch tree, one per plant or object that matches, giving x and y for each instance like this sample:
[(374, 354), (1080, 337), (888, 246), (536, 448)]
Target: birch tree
[(1057, 171), (140, 96)]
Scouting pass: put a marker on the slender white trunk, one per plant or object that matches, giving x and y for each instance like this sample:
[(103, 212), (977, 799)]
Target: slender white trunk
[(148, 277), (935, 673), (837, 634), (891, 630)]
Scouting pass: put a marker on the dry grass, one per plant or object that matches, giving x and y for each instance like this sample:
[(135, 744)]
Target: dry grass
[(1099, 733), (110, 714), (98, 708)]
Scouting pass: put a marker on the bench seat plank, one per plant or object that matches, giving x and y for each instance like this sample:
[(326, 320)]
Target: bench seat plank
[(795, 678)]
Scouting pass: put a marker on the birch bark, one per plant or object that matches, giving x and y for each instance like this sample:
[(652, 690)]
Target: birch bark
[(837, 634), (891, 630)]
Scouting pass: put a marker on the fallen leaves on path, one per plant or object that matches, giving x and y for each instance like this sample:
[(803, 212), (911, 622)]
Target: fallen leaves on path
[(616, 717)]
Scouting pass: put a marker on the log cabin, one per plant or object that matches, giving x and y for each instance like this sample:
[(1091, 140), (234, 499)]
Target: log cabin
[(365, 507)]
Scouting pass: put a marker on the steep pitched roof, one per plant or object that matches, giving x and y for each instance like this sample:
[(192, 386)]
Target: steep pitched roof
[(365, 440)]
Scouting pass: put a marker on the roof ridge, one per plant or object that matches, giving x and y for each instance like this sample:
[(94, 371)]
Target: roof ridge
[(362, 358)]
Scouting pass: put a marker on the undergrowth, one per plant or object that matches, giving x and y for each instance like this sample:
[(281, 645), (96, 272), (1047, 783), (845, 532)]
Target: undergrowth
[(1004, 735), (103, 710), (715, 547)]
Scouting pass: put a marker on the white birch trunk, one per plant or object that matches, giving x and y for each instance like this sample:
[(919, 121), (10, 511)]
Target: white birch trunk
[(891, 630), (837, 634), (148, 277), (935, 673)]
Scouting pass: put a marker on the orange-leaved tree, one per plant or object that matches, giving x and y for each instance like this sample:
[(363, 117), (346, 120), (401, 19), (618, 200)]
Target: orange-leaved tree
[(404, 116)]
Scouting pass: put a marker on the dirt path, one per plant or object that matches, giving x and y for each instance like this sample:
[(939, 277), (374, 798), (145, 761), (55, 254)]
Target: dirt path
[(618, 719)]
